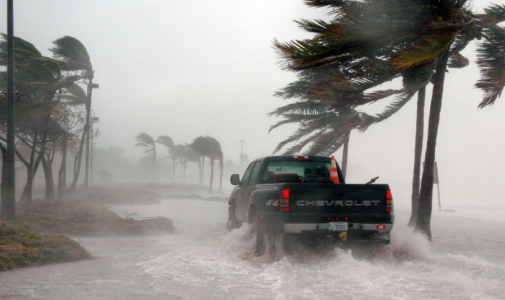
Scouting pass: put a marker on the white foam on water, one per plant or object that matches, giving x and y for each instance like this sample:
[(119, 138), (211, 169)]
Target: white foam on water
[(205, 261)]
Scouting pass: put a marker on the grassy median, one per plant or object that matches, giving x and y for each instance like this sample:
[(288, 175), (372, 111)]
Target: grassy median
[(38, 236), (20, 248)]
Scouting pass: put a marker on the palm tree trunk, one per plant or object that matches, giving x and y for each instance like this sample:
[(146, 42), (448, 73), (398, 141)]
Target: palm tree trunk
[(185, 166), (221, 175), (211, 173), (425, 198), (180, 169), (199, 171), (421, 96), (154, 164), (78, 159), (203, 169), (345, 153), (173, 171)]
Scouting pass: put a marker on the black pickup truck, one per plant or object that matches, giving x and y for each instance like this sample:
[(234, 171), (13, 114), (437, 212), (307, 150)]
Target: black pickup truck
[(295, 195)]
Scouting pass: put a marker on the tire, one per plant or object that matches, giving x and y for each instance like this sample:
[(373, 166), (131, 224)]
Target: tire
[(260, 238), (232, 220)]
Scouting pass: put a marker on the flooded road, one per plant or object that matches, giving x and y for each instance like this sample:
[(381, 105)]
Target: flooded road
[(466, 260)]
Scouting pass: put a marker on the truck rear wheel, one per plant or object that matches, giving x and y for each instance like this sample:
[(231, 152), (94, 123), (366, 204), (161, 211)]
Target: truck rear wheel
[(260, 238), (232, 220)]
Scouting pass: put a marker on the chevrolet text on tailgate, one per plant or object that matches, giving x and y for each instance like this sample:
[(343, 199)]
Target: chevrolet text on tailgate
[(307, 197)]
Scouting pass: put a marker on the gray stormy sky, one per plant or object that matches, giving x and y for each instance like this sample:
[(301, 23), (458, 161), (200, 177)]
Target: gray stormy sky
[(191, 68)]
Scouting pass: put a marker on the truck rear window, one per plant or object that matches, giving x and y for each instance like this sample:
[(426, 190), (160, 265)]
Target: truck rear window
[(286, 171)]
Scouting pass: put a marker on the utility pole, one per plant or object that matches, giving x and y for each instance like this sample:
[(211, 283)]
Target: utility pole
[(9, 207), (91, 86), (241, 154), (93, 121)]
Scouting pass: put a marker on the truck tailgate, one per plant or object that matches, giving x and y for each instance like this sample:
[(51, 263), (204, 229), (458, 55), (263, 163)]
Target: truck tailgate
[(356, 202)]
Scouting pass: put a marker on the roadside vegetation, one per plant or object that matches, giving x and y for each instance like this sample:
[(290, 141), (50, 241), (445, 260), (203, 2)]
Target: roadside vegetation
[(20, 248), (38, 236)]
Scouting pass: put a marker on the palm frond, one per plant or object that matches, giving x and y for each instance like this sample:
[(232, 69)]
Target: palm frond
[(165, 140), (425, 49), (390, 110), (72, 55), (491, 62), (144, 140), (495, 14)]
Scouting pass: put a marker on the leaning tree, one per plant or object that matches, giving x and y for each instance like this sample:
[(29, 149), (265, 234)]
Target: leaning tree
[(73, 57), (404, 36), (146, 141)]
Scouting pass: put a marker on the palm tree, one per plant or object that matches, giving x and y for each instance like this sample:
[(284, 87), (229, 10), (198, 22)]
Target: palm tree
[(73, 56), (73, 95), (209, 147), (179, 151), (146, 141), (193, 156), (374, 41), (38, 79), (169, 143), (217, 153)]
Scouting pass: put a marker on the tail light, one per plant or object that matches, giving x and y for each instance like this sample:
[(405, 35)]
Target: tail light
[(300, 157), (389, 201), (285, 200)]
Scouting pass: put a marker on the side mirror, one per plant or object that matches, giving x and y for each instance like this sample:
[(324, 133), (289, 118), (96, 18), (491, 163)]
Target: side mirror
[(235, 179)]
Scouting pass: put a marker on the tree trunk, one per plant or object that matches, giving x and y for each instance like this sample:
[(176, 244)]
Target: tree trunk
[(77, 161), (181, 163), (345, 153), (173, 177), (221, 175), (3, 209), (62, 173), (48, 175), (31, 170), (203, 169), (154, 164), (184, 174), (425, 198), (211, 174), (199, 171), (421, 96)]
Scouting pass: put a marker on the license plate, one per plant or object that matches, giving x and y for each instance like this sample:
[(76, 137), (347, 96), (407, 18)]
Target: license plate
[(338, 226)]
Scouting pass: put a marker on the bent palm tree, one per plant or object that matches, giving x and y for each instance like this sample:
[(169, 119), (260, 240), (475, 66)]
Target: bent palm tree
[(209, 147), (146, 141), (169, 143), (73, 56), (74, 95), (373, 41)]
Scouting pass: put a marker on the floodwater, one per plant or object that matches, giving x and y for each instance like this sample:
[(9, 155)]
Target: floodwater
[(466, 260)]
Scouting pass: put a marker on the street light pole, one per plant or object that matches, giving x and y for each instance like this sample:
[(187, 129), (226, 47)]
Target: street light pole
[(91, 86), (9, 207), (93, 121)]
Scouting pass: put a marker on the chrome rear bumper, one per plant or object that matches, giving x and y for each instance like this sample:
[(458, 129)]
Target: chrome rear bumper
[(298, 228)]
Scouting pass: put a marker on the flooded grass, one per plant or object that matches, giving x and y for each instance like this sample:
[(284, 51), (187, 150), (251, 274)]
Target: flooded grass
[(20, 248), (85, 218)]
